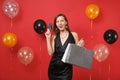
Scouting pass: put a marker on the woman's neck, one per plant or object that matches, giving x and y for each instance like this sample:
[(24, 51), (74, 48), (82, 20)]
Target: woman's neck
[(63, 34), (63, 31)]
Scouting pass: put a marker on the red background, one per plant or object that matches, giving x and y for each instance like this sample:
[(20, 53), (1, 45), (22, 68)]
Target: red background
[(31, 10)]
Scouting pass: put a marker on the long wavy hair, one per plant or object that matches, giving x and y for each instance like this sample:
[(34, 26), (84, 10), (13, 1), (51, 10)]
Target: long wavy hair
[(56, 30)]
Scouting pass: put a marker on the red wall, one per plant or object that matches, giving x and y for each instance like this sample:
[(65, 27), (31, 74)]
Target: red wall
[(30, 10)]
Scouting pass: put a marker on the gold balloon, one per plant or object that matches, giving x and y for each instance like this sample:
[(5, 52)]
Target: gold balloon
[(9, 39), (92, 11)]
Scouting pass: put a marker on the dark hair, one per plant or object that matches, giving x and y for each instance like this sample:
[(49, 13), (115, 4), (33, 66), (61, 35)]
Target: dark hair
[(56, 30)]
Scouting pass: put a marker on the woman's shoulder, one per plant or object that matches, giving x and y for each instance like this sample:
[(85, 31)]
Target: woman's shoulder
[(74, 34)]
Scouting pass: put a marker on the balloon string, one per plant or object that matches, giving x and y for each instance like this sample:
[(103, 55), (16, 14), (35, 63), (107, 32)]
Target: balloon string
[(91, 25), (109, 68), (109, 72), (40, 59), (11, 25), (90, 77), (91, 28), (11, 61), (99, 72), (90, 74)]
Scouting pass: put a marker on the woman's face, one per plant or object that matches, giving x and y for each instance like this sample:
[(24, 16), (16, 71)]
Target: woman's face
[(61, 23)]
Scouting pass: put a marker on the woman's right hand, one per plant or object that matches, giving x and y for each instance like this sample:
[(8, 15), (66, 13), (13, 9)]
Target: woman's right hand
[(48, 33), (49, 41)]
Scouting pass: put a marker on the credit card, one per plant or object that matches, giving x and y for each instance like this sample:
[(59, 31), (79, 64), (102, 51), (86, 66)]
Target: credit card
[(50, 26)]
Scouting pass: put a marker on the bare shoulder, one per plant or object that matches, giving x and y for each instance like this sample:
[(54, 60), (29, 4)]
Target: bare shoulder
[(74, 34)]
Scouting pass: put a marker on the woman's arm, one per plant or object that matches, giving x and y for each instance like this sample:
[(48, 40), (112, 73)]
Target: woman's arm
[(77, 41), (75, 35), (81, 42), (50, 42)]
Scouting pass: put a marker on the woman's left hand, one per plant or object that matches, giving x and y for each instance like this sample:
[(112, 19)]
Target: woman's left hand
[(81, 43)]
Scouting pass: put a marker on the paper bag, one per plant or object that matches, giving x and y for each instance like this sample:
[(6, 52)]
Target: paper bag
[(79, 56)]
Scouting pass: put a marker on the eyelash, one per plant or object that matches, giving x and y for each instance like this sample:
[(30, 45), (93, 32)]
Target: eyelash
[(60, 21)]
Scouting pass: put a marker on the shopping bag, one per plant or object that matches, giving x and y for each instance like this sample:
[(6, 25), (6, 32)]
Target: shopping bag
[(79, 56)]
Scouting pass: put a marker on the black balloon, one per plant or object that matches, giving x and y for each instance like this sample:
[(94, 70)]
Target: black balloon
[(110, 36), (39, 26)]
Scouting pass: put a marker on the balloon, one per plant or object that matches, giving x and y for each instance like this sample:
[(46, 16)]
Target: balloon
[(92, 11), (25, 55), (110, 36), (101, 52), (9, 39), (39, 26), (10, 8)]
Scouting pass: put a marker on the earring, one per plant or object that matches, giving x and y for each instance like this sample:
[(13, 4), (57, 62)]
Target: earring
[(66, 27)]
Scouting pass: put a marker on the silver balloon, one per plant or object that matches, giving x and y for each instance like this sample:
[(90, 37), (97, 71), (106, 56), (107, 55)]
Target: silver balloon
[(25, 55), (10, 8)]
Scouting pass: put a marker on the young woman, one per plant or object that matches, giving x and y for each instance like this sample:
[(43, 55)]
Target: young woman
[(56, 45)]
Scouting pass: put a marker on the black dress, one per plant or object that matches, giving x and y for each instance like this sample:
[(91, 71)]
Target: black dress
[(57, 69)]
